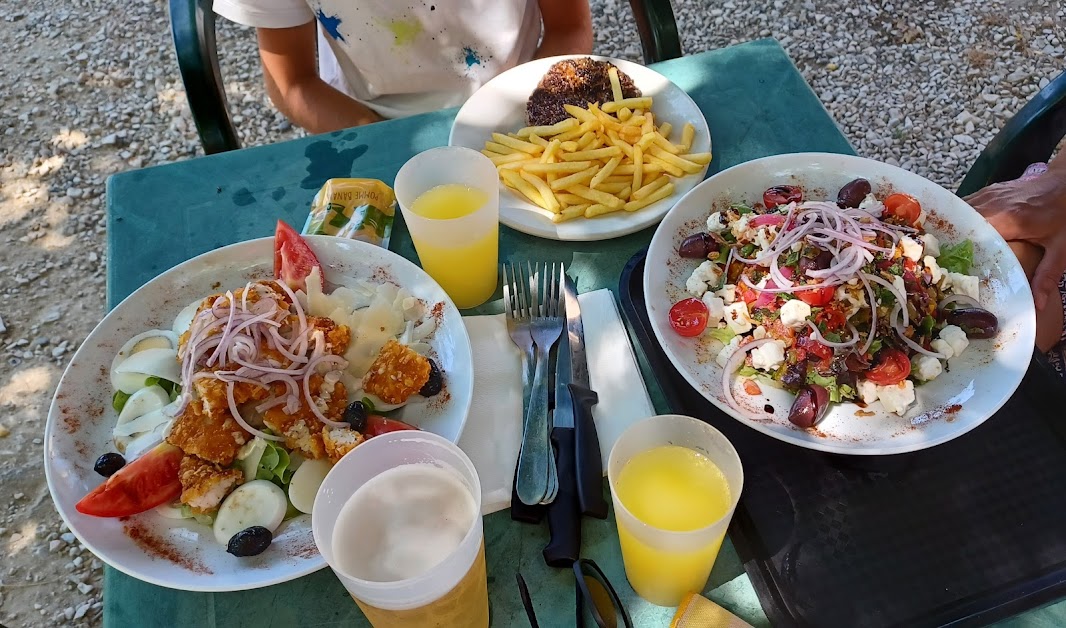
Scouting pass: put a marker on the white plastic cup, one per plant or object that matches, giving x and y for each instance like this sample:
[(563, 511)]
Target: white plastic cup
[(663, 565), (454, 592), (461, 254)]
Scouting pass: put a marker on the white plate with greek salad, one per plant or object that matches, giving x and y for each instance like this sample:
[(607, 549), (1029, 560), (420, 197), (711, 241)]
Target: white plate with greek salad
[(759, 286), (189, 434)]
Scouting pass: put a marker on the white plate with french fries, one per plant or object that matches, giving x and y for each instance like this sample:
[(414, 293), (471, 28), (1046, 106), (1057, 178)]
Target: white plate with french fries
[(608, 170)]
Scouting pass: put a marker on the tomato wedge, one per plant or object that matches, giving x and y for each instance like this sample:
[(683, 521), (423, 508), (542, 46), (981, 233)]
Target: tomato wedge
[(904, 207), (689, 317), (833, 318), (293, 259), (377, 425), (892, 367), (816, 297), (147, 482)]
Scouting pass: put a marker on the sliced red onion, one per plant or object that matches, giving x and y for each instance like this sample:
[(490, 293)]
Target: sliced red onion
[(817, 335), (731, 367), (873, 315), (900, 298), (794, 288), (767, 219), (910, 343), (240, 420), (332, 359), (776, 275)]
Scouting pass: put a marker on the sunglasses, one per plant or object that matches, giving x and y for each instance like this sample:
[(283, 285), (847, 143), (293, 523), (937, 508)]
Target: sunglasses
[(597, 602)]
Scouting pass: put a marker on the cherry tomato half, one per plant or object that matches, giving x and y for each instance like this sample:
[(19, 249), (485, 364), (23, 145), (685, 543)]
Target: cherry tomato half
[(781, 195), (689, 317), (892, 367), (904, 207), (816, 297), (378, 425)]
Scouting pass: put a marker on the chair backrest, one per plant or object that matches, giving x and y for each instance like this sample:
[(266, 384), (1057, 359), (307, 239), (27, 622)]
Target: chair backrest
[(657, 29), (192, 24), (1030, 136)]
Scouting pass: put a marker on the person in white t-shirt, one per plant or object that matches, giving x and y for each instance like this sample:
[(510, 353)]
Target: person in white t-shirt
[(394, 58)]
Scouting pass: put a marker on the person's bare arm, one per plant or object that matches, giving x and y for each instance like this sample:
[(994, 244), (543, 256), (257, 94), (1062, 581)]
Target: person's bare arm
[(567, 28), (293, 84)]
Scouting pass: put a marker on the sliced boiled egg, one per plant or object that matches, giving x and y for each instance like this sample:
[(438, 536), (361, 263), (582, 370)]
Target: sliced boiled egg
[(305, 482), (255, 503)]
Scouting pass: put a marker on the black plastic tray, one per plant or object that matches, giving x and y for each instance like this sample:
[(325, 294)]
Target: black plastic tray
[(966, 533)]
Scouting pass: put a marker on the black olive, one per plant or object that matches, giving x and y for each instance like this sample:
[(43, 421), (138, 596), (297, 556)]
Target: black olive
[(809, 406), (697, 246), (250, 541), (355, 416), (854, 193), (977, 322), (435, 383), (109, 464)]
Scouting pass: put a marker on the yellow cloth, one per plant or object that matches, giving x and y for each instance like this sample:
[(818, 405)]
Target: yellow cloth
[(697, 611)]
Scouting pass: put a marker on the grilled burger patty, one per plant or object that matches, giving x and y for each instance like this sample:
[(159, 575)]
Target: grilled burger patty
[(573, 82)]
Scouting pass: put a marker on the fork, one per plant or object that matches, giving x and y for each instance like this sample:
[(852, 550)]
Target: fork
[(518, 315), (545, 328)]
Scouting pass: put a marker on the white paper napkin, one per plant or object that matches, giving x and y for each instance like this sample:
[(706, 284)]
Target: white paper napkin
[(493, 432)]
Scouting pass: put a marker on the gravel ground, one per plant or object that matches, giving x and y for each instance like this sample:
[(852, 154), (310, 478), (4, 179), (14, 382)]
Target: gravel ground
[(90, 91)]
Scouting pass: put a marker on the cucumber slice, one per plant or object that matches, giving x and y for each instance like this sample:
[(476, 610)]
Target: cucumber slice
[(255, 503)]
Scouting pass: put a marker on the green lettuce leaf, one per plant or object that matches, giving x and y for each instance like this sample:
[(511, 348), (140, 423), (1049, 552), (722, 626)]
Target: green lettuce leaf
[(837, 392), (274, 465), (956, 258), (723, 335)]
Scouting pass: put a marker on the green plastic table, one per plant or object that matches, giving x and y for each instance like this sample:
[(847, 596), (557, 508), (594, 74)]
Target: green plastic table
[(159, 217)]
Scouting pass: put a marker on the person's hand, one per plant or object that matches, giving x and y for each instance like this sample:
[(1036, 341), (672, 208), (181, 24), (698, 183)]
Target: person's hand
[(1034, 211)]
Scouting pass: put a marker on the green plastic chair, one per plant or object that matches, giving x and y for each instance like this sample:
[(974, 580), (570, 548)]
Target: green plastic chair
[(1031, 135), (192, 23)]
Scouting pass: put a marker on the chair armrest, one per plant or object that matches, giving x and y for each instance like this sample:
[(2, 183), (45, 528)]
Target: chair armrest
[(1030, 136), (657, 28), (192, 24)]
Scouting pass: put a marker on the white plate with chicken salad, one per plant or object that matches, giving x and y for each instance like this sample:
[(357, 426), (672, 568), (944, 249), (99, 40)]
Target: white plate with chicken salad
[(190, 432), (840, 304)]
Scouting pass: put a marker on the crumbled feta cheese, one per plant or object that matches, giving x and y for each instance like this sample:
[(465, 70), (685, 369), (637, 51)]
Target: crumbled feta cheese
[(867, 391), (844, 295), (897, 283), (869, 202), (932, 245), (769, 356), (716, 223), (798, 246), (728, 293), (954, 336), (942, 347), (763, 237), (965, 284), (935, 272), (926, 367), (737, 318), (759, 333), (703, 278), (728, 351), (715, 307), (794, 313), (740, 228), (912, 249), (898, 397)]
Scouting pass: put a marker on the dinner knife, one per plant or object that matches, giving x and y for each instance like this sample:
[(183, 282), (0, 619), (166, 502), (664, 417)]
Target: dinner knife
[(564, 516), (587, 443)]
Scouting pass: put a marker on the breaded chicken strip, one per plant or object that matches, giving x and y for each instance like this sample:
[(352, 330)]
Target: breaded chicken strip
[(339, 441), (397, 373), (302, 429), (214, 437), (205, 485)]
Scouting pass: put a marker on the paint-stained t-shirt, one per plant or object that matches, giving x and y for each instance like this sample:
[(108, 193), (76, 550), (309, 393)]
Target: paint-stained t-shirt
[(403, 57)]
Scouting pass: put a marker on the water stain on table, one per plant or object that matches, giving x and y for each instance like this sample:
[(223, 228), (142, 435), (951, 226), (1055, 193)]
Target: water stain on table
[(278, 193), (243, 197), (325, 161)]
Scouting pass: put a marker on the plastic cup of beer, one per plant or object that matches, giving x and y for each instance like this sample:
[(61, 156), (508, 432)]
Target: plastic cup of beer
[(450, 200), (675, 482), (398, 519)]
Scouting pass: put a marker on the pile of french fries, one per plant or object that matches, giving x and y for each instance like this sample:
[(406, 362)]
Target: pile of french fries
[(595, 163)]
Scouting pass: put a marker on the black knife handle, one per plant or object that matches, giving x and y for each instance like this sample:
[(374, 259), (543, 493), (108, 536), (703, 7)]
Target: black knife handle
[(587, 447), (564, 519), (523, 513)]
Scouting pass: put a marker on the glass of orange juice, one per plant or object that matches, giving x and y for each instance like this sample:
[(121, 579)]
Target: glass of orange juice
[(399, 521), (675, 482), (450, 200)]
